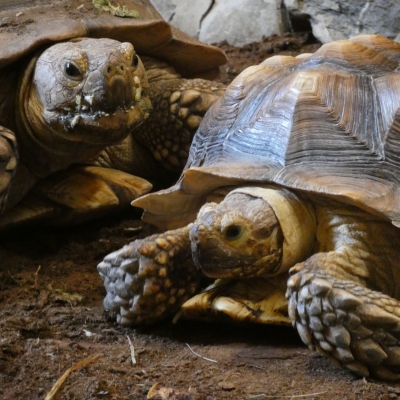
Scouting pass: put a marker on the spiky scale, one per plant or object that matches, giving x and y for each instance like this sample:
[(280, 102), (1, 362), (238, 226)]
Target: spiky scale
[(371, 314), (343, 299), (369, 352)]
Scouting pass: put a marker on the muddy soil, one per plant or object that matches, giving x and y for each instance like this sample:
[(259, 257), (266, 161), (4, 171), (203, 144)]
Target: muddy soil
[(51, 318)]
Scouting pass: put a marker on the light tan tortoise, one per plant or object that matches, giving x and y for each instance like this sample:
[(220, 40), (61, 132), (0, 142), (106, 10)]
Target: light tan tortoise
[(72, 85), (292, 184)]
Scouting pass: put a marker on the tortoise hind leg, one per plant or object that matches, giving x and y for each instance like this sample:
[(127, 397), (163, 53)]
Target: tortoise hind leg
[(352, 325)]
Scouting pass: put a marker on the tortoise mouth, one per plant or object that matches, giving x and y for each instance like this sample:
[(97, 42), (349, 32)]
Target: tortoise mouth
[(127, 114), (106, 110), (215, 263)]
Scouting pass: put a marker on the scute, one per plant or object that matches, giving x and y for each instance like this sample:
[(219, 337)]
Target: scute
[(42, 23), (326, 124)]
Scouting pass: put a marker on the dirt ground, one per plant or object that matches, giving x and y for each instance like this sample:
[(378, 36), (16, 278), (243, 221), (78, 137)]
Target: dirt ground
[(51, 318)]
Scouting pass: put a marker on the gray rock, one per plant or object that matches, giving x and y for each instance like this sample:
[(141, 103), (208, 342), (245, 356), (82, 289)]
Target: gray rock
[(185, 15), (244, 21), (341, 19), (236, 21), (165, 7)]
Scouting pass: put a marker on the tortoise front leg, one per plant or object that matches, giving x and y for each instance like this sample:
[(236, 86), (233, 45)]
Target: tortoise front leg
[(343, 299), (8, 164), (352, 325), (149, 279), (178, 108), (74, 195)]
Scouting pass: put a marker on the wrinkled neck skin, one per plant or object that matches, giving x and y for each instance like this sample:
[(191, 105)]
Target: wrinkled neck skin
[(42, 148)]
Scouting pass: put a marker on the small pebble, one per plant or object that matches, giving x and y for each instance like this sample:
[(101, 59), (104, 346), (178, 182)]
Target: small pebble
[(226, 386)]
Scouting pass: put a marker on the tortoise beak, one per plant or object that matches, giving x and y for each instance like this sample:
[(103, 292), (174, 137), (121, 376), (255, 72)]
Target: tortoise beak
[(213, 258)]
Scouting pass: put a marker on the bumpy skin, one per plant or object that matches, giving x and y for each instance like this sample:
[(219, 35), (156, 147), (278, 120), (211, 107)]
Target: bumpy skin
[(209, 243), (324, 129), (74, 100), (8, 162), (149, 278), (164, 138), (342, 300), (162, 114)]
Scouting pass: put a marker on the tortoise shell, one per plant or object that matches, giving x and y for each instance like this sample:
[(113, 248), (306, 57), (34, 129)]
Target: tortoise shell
[(27, 25), (325, 124)]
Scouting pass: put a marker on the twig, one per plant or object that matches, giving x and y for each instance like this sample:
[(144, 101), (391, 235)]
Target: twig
[(198, 355), (132, 351), (61, 380), (14, 279), (37, 276)]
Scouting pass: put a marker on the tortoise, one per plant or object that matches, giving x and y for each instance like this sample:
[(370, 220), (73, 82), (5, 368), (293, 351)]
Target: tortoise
[(81, 113), (290, 201)]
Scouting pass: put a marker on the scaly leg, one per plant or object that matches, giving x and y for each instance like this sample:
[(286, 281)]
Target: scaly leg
[(149, 279), (74, 195), (350, 324), (8, 164), (178, 106)]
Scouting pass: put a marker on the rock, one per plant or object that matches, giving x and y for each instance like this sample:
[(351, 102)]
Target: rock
[(342, 19), (227, 386), (185, 15), (165, 7), (236, 21), (245, 21), (242, 21)]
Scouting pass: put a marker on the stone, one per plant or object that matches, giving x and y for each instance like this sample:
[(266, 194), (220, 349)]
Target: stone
[(242, 21), (245, 21), (185, 15), (166, 8), (236, 21), (342, 19)]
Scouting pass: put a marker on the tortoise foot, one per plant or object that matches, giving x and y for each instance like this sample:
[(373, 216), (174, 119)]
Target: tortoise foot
[(74, 195), (8, 163), (353, 326), (149, 279)]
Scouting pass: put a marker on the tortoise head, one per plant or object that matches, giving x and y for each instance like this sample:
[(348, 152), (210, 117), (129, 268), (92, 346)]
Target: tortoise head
[(91, 90), (253, 232)]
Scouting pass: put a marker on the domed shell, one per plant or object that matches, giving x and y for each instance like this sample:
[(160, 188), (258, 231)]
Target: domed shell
[(326, 123), (27, 25)]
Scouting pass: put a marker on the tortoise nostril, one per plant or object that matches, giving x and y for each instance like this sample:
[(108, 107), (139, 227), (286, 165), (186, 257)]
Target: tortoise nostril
[(135, 61), (233, 232), (109, 69)]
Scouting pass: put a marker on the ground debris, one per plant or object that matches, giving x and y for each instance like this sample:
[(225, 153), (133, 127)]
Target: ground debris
[(164, 393), (64, 376)]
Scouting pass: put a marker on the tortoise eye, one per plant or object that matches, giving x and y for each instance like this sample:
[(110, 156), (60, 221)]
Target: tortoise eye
[(135, 61), (233, 232), (72, 71)]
